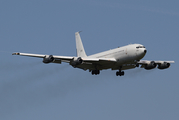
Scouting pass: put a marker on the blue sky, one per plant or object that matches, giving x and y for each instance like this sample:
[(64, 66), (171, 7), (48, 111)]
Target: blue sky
[(30, 89)]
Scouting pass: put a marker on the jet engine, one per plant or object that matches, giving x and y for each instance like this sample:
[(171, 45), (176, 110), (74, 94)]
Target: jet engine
[(76, 61), (164, 65), (151, 65), (48, 59)]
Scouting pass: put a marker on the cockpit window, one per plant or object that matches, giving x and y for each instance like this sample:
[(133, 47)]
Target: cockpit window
[(140, 47)]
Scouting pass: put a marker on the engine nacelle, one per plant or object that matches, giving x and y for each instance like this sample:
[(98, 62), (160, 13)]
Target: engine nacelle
[(48, 59), (164, 65), (76, 61), (151, 65)]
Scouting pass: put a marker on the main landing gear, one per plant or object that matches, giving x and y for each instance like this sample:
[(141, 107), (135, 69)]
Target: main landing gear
[(120, 73), (95, 72)]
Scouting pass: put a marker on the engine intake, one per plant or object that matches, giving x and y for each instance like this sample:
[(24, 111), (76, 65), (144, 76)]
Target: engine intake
[(76, 61), (151, 65), (164, 65), (48, 59)]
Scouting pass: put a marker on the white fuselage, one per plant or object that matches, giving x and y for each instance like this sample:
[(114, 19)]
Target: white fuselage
[(125, 54), (126, 57)]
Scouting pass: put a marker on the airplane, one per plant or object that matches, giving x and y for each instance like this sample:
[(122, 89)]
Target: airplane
[(121, 58)]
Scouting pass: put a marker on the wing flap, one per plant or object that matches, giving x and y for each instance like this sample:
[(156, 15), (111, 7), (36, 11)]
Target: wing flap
[(98, 59), (63, 58)]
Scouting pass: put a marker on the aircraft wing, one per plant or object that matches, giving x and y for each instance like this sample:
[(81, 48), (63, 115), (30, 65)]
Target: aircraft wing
[(68, 59), (56, 59), (96, 60), (157, 62), (147, 64)]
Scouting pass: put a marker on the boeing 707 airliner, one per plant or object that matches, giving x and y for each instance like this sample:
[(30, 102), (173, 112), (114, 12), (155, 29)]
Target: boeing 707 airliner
[(121, 58)]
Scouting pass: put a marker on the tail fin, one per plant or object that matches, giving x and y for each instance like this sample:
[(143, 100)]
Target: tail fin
[(79, 46)]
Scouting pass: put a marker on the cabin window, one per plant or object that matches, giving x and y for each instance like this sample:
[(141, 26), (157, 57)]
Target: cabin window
[(140, 47)]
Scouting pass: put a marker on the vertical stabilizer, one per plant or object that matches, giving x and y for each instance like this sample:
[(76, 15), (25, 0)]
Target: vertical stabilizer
[(79, 46)]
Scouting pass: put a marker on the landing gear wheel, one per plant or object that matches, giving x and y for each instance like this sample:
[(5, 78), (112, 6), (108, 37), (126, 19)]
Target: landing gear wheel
[(92, 72), (96, 72), (137, 65), (119, 73), (122, 73)]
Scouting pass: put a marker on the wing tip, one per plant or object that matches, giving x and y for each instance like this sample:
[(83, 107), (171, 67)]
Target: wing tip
[(15, 53), (172, 61)]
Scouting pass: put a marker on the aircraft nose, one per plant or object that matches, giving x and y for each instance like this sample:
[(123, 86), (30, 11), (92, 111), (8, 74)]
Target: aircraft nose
[(145, 51)]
